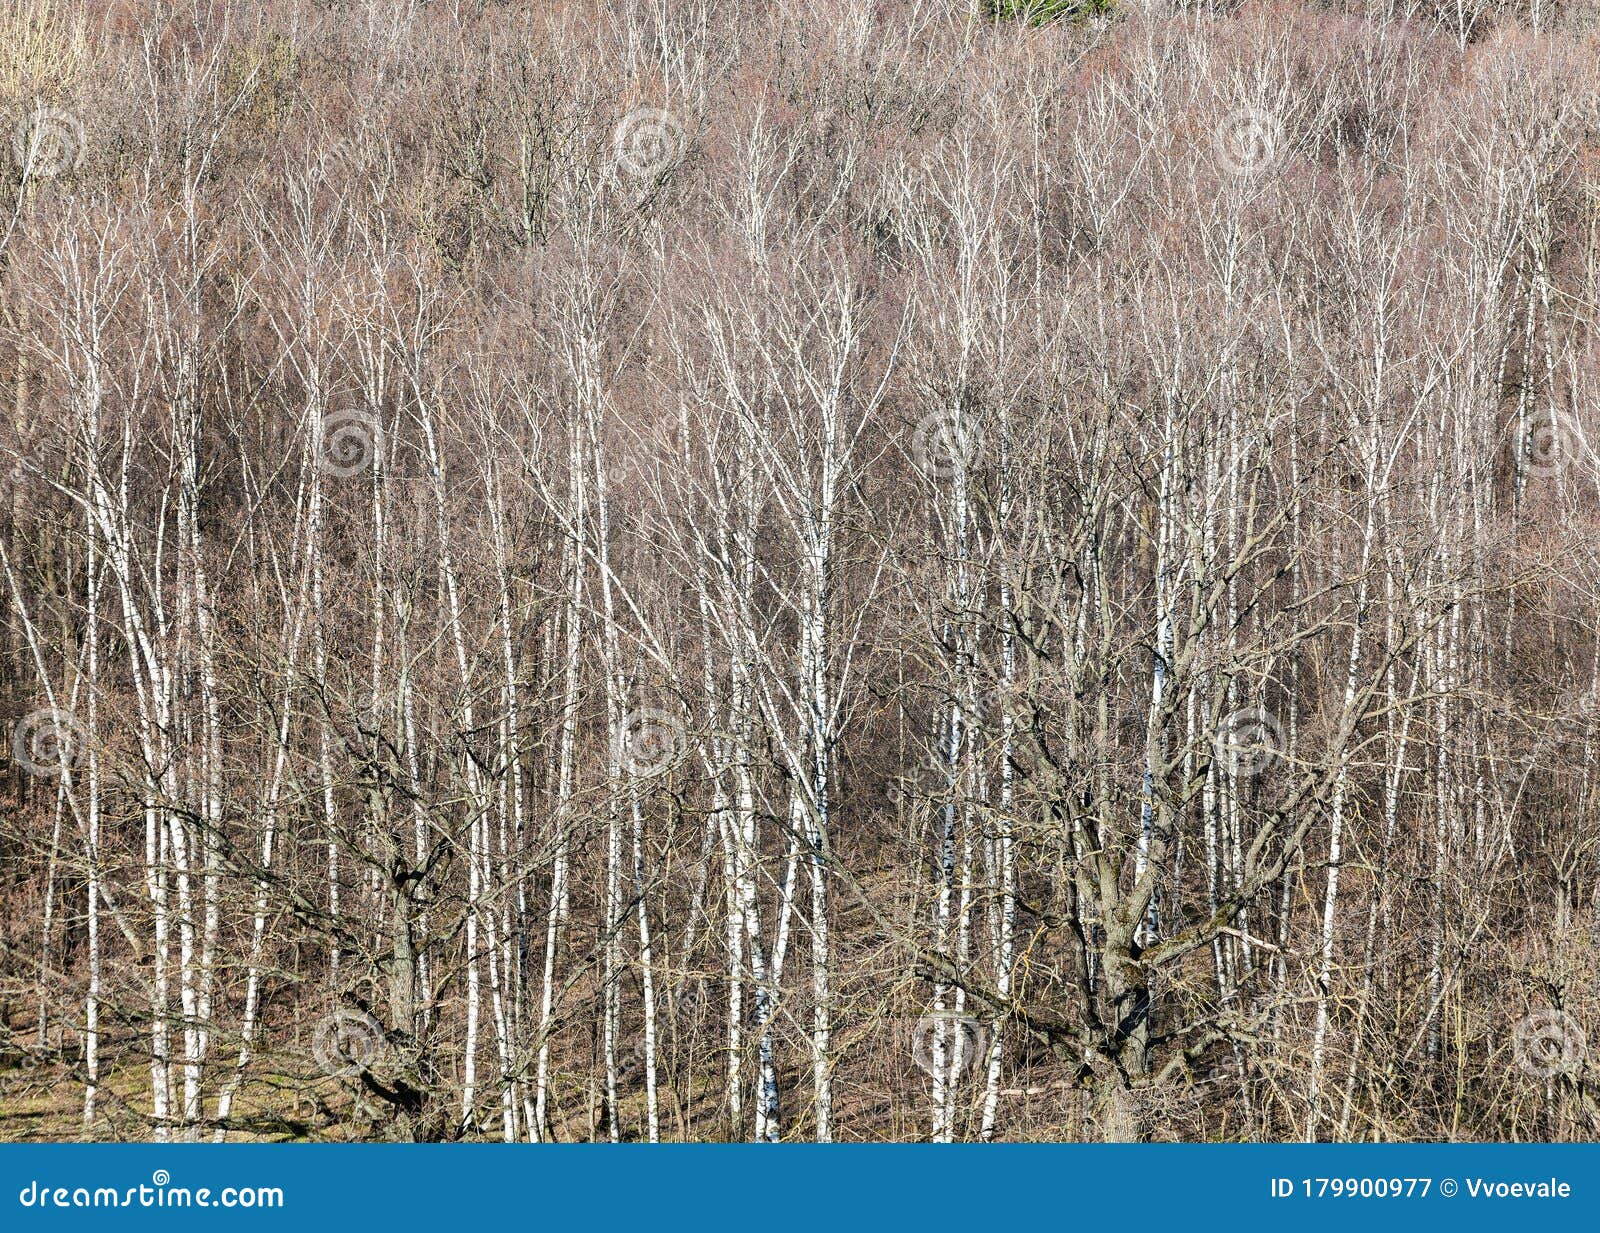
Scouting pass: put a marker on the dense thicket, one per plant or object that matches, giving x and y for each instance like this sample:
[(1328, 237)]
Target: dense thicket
[(704, 570)]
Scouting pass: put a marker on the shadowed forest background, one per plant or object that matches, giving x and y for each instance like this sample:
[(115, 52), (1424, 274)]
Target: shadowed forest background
[(701, 569)]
